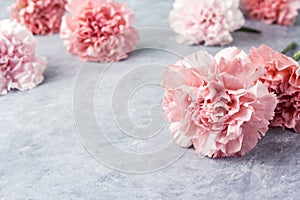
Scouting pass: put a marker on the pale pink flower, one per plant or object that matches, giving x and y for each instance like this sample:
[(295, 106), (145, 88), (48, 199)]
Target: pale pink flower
[(99, 30), (282, 78), (217, 103), (209, 22), (19, 67), (283, 12), (41, 17)]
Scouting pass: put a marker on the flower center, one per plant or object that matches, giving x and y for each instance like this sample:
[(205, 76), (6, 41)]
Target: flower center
[(98, 25)]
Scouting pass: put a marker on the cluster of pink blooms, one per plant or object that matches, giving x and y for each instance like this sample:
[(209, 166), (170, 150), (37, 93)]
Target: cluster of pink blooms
[(19, 67), (41, 17), (283, 12), (99, 30), (95, 31), (223, 104)]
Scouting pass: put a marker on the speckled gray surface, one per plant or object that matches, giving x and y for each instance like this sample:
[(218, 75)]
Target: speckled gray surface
[(42, 157)]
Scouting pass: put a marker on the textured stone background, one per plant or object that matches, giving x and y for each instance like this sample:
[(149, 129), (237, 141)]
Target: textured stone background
[(41, 156)]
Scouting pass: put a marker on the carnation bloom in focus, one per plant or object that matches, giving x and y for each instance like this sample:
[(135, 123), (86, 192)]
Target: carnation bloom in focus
[(217, 103), (41, 17), (283, 12), (19, 67), (99, 30), (209, 22), (282, 78)]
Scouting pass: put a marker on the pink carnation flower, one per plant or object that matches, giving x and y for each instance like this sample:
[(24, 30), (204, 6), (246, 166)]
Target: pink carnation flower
[(282, 12), (209, 22), (217, 103), (282, 78), (19, 67), (41, 17), (99, 30)]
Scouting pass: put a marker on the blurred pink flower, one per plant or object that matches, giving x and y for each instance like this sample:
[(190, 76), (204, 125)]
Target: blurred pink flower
[(282, 78), (209, 22), (41, 17), (217, 103), (99, 30), (283, 12), (19, 67)]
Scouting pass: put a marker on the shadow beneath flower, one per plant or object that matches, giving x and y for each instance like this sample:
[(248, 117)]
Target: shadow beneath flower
[(49, 75), (61, 69), (297, 23), (277, 148)]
